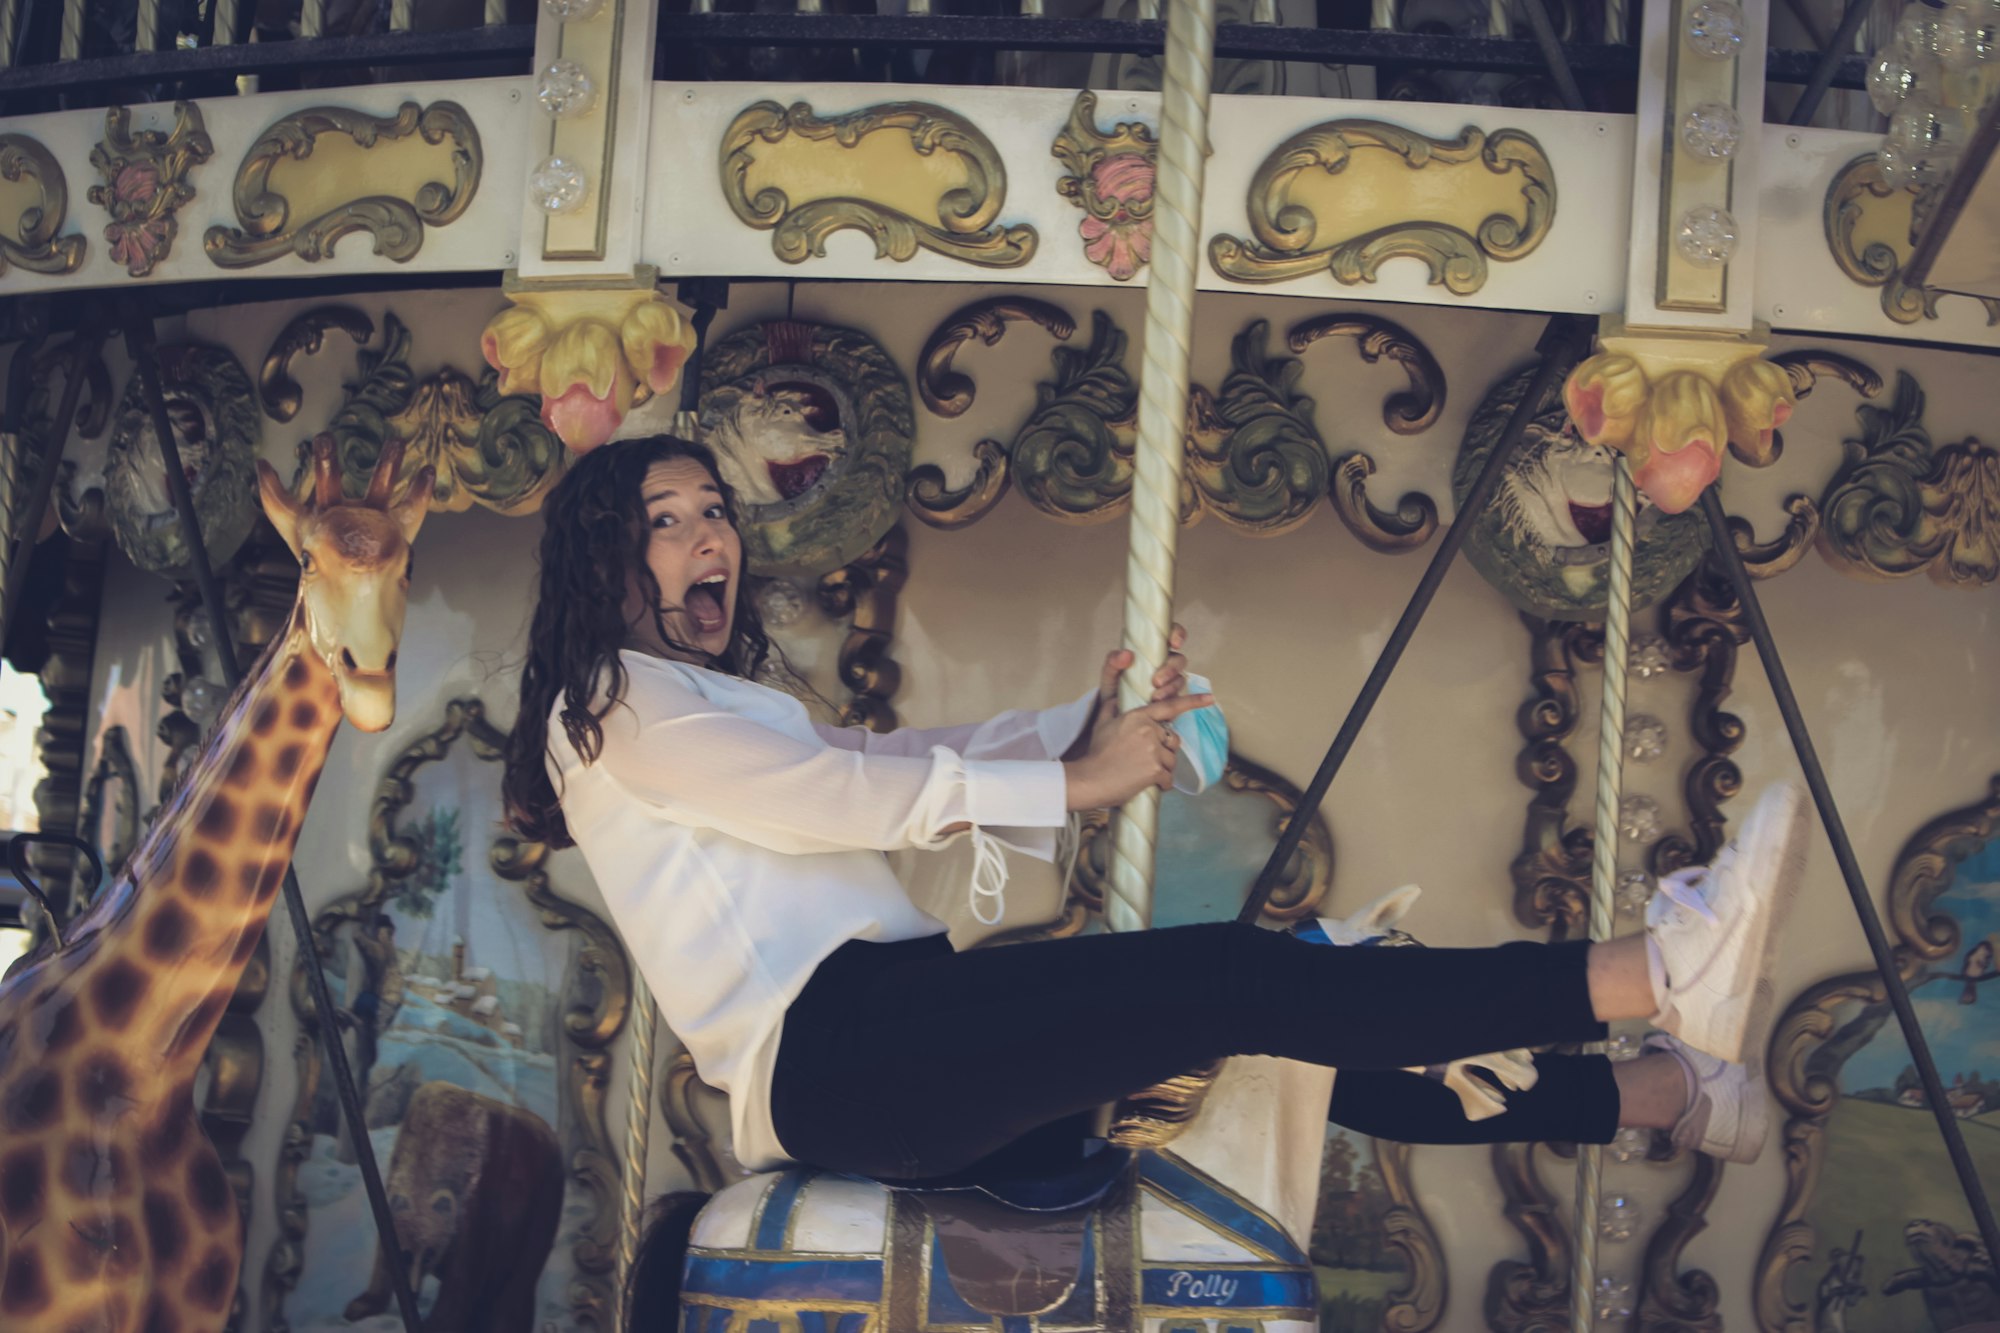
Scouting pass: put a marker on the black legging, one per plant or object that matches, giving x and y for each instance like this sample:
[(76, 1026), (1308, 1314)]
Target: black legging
[(908, 1060)]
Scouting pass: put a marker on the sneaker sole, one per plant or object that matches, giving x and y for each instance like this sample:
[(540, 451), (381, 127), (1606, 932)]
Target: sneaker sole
[(1756, 1129), (1782, 867)]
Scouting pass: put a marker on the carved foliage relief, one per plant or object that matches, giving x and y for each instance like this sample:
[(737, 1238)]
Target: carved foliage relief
[(146, 180), (39, 206), (1868, 231)]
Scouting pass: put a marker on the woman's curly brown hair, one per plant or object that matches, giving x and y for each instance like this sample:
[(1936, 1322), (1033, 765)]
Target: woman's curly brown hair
[(593, 550)]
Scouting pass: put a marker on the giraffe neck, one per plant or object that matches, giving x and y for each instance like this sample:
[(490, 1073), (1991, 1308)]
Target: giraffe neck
[(167, 944)]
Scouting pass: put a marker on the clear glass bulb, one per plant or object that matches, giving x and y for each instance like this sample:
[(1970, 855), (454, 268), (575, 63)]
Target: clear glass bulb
[(1712, 130), (780, 604), (1622, 1047), (1927, 129), (558, 185), (1612, 1302), (1903, 169), (1919, 31), (1968, 33), (1629, 1145), (1634, 891), (1645, 738), (565, 89), (1715, 29), (1896, 74), (1639, 819), (1649, 657), (1706, 236), (1617, 1217), (202, 700), (573, 11)]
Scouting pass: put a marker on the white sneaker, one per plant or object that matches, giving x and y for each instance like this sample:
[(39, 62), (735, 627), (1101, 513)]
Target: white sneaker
[(1716, 928), (1728, 1112)]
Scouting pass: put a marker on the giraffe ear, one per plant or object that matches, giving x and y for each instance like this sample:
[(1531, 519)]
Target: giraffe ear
[(279, 505), (415, 505)]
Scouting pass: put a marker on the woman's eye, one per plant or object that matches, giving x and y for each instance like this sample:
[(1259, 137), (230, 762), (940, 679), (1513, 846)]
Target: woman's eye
[(716, 511), (663, 520)]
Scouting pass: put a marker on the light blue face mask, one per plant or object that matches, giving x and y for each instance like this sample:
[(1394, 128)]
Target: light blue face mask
[(1204, 737)]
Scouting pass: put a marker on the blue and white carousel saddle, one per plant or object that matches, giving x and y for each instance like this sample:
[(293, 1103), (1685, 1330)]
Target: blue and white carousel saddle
[(1152, 1243)]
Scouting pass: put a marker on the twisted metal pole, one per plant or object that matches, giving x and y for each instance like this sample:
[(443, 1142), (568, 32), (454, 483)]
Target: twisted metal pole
[(1604, 856), (638, 1133), (1163, 394)]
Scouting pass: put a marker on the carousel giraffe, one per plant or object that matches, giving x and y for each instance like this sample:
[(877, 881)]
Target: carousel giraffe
[(115, 1215)]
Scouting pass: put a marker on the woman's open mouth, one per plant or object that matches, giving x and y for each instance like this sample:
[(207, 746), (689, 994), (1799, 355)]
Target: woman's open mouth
[(707, 603)]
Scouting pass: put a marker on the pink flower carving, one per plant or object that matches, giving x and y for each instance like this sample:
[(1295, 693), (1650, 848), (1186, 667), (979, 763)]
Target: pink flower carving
[(1122, 242), (579, 419), (137, 247), (136, 183)]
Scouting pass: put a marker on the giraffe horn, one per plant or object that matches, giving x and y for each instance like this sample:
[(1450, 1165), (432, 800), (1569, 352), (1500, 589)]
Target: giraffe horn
[(326, 472), (383, 479)]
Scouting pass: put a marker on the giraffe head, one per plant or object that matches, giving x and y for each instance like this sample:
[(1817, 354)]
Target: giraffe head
[(354, 572)]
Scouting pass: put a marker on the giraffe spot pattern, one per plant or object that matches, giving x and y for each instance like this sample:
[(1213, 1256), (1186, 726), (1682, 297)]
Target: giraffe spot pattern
[(287, 765), (199, 873), (246, 944), (218, 818), (24, 1183), (208, 1187), (168, 929), (266, 720), (272, 823), (104, 1246), (116, 992), (167, 1134), (296, 674), (103, 1084), (199, 1024), (210, 1284), (24, 1289), (243, 768), (159, 1318), (166, 1229), (34, 1101), (92, 1171), (56, 1020)]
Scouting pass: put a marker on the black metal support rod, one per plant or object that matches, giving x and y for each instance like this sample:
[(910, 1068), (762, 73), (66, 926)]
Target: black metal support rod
[(1552, 54), (1829, 61), (81, 349), (1564, 333), (139, 340), (1850, 870)]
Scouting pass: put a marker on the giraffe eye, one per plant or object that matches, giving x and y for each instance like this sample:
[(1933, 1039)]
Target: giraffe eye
[(306, 562)]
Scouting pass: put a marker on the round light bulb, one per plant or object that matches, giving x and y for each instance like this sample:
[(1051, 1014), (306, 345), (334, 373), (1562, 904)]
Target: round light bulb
[(1617, 1217), (1712, 130), (573, 11), (565, 89), (1639, 819), (1612, 1302), (1706, 236), (558, 185), (780, 603), (1924, 128), (1715, 29), (1968, 33)]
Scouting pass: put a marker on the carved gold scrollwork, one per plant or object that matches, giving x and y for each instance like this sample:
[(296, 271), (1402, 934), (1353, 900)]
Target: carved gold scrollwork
[(1303, 220), (1110, 177), (936, 503), (146, 182), (1769, 559), (305, 335), (33, 239), (690, 1107), (1412, 524), (1703, 626), (1073, 456), (1670, 1300), (1811, 1043), (488, 448), (866, 589), (1406, 413), (788, 171), (267, 230), (1254, 459), (949, 392), (1868, 230), (1552, 873), (1531, 1297), (1418, 1305), (1900, 506)]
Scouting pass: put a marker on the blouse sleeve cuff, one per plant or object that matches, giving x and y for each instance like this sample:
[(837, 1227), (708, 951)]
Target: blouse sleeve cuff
[(1016, 793)]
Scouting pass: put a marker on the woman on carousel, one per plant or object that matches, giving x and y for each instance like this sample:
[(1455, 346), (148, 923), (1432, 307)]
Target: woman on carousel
[(740, 849)]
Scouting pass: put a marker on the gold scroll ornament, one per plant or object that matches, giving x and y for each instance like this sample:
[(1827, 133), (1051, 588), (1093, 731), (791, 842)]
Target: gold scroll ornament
[(1348, 195), (34, 200), (326, 171), (911, 175), (1868, 232)]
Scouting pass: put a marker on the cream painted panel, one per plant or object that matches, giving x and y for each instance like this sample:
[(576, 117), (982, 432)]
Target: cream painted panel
[(1579, 266), (1896, 679), (484, 237), (1799, 286)]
